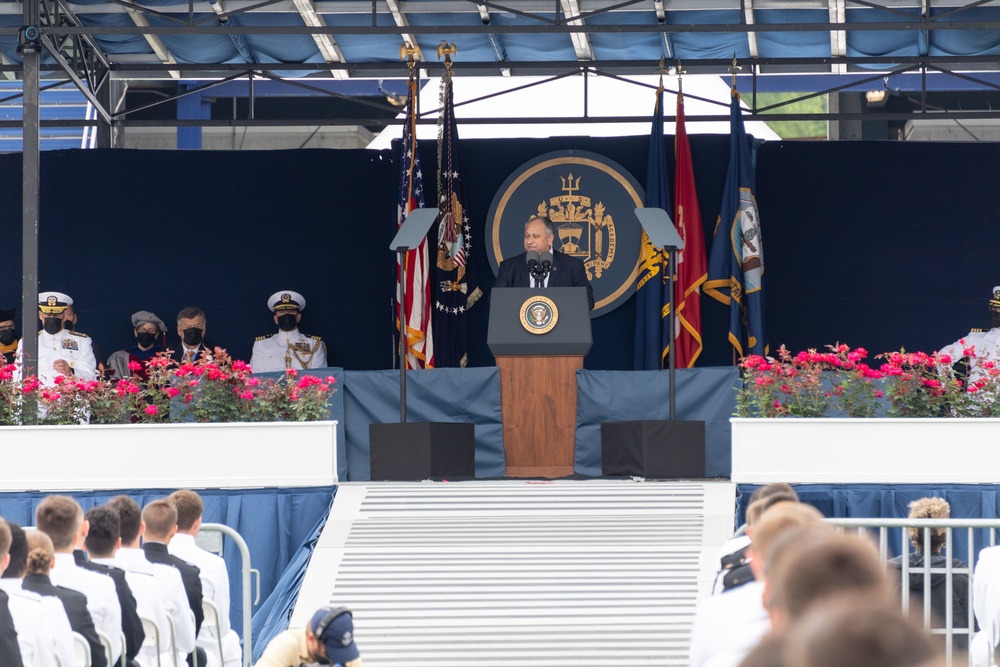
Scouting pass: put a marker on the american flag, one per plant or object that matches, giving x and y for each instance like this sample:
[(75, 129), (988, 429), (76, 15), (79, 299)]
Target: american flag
[(417, 308)]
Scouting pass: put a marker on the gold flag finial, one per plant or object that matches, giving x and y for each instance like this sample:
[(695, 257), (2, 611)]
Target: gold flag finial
[(733, 69), (409, 53), (661, 70), (446, 51)]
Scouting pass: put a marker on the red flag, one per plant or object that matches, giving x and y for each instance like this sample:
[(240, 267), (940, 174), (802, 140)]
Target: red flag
[(691, 261)]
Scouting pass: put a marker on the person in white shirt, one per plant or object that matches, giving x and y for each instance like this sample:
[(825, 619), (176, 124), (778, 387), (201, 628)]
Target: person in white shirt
[(214, 577), (729, 625), (289, 347), (61, 350), (984, 345), (61, 518), (131, 558), (43, 631)]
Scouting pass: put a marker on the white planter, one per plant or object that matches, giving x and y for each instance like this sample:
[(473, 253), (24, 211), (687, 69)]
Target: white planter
[(851, 451), (147, 456)]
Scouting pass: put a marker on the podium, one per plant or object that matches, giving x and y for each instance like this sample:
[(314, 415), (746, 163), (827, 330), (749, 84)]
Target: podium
[(539, 338)]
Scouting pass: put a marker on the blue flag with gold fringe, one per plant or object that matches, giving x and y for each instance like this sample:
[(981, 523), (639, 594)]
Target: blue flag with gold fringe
[(736, 261), (652, 333)]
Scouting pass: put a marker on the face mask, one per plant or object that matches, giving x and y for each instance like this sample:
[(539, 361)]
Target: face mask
[(52, 325), (146, 339), (287, 322), (192, 337), (7, 337)]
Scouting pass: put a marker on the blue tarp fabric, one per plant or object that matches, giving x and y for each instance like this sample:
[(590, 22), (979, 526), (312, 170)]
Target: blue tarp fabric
[(465, 395), (703, 394), (273, 616)]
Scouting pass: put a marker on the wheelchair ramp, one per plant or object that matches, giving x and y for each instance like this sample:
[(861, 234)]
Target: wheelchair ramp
[(519, 572)]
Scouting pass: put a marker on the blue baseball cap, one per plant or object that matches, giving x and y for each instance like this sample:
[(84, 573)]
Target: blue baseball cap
[(337, 636)]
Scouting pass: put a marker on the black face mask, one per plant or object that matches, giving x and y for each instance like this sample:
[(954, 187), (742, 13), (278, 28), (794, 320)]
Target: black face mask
[(146, 339), (52, 325), (193, 337), (7, 336), (287, 322)]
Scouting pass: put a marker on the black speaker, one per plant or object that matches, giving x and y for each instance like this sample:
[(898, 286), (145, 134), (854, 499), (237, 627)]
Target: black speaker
[(653, 449), (422, 450)]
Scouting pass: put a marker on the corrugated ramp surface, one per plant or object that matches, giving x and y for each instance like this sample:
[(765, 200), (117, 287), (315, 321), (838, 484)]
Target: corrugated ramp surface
[(519, 572)]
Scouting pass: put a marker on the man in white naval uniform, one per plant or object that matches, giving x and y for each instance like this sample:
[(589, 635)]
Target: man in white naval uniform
[(984, 342), (288, 348), (61, 351)]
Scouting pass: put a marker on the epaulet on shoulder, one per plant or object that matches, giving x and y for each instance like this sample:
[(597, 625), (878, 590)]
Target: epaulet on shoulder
[(265, 337), (80, 334), (978, 330), (315, 337)]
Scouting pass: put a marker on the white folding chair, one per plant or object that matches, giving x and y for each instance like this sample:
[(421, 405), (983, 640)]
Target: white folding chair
[(81, 650), (172, 640), (211, 622), (106, 643), (152, 639)]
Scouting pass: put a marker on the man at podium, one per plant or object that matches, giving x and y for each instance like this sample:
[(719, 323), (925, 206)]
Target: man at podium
[(541, 266)]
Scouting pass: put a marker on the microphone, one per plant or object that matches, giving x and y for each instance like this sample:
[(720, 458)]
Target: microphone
[(546, 259), (531, 257)]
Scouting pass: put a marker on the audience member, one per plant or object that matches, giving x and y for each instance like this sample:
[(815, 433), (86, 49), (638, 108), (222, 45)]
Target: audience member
[(103, 541), (61, 518), (213, 572), (131, 558), (288, 348), (41, 559), (131, 623), (150, 337), (859, 632), (936, 582), (191, 327), (727, 626), (160, 518), (810, 564), (328, 639), (8, 335), (43, 631)]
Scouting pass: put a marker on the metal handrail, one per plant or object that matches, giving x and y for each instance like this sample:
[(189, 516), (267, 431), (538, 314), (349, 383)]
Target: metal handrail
[(247, 607)]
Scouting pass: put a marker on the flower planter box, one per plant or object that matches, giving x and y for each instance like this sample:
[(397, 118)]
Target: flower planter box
[(852, 451), (74, 458)]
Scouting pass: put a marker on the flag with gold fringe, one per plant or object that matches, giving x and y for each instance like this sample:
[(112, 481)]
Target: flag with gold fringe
[(455, 288), (652, 333), (416, 269), (736, 261), (691, 261)]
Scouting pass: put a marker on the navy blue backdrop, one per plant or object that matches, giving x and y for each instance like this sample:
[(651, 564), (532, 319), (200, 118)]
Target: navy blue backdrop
[(875, 244)]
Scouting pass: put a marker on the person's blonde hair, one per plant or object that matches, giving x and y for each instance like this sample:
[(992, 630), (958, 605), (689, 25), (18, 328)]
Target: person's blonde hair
[(40, 552), (929, 508)]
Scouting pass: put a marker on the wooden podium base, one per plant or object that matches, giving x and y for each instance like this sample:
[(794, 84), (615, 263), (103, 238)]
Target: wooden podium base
[(538, 406)]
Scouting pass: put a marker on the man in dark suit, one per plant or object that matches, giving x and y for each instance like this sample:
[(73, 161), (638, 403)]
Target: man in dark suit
[(40, 559), (191, 328), (103, 521), (160, 517), (566, 270)]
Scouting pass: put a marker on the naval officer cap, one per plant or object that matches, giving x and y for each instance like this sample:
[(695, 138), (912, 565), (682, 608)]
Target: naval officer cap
[(146, 317), (286, 300), (53, 303)]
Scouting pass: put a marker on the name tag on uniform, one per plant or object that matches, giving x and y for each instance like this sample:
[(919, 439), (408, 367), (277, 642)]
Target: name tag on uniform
[(69, 344)]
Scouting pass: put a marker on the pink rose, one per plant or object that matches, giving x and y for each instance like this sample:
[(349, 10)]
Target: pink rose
[(150, 410)]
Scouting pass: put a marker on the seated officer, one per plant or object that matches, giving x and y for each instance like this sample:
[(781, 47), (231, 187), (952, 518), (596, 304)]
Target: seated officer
[(984, 343), (8, 336), (288, 348), (61, 351)]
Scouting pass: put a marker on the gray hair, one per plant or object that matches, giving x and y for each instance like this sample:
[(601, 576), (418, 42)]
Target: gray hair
[(190, 313), (545, 221)]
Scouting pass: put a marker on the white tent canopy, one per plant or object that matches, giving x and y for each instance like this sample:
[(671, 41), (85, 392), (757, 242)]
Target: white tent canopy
[(603, 97)]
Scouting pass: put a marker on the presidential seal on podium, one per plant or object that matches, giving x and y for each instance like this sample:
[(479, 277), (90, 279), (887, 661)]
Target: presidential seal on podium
[(539, 314)]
